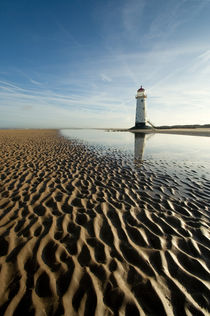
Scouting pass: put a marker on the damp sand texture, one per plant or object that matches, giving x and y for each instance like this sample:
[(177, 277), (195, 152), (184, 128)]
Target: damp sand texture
[(82, 235)]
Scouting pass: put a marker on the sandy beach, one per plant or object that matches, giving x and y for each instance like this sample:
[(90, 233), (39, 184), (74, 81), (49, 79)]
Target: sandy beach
[(85, 235)]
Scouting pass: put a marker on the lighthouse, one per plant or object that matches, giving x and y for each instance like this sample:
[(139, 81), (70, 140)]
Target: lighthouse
[(140, 108)]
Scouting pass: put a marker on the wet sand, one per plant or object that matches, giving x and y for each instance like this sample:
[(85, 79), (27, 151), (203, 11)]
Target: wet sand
[(85, 234)]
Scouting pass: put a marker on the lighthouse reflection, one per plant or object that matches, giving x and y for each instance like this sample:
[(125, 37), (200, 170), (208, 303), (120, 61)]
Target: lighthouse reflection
[(139, 144)]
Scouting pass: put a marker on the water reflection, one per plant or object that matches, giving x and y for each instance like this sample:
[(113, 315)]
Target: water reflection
[(139, 144), (146, 146)]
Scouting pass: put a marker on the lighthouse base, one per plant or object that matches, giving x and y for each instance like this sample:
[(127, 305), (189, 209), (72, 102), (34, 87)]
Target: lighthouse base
[(140, 125)]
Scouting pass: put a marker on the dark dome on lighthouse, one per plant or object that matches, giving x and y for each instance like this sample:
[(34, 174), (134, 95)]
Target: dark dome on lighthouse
[(141, 89)]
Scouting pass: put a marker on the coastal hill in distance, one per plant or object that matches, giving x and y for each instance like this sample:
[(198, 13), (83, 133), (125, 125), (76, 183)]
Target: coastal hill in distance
[(192, 129), (182, 126)]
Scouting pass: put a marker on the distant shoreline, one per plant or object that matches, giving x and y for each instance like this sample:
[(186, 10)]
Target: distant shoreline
[(179, 131), (190, 130)]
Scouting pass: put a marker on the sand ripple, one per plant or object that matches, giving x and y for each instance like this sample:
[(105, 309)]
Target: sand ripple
[(88, 234)]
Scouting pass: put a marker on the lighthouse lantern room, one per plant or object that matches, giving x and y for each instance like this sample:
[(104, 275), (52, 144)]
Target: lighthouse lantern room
[(141, 108)]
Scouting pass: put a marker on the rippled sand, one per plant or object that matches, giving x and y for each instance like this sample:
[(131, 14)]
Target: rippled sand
[(88, 234)]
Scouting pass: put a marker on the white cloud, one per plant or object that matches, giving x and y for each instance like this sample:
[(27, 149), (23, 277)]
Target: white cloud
[(132, 12), (106, 78), (35, 82)]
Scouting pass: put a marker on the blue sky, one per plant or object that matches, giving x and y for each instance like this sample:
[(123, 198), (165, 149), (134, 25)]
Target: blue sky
[(79, 63)]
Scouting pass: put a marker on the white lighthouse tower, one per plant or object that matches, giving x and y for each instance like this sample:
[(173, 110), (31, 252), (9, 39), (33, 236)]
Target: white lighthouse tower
[(140, 108)]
